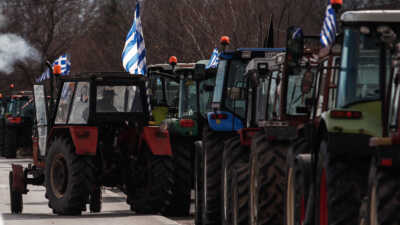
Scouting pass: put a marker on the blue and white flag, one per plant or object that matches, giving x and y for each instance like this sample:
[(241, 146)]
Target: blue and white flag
[(134, 54), (214, 60), (65, 64), (328, 32), (45, 75)]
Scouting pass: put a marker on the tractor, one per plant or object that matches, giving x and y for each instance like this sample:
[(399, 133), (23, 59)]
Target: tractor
[(338, 141), (380, 206), (18, 124), (97, 134), (3, 107), (180, 98), (221, 148)]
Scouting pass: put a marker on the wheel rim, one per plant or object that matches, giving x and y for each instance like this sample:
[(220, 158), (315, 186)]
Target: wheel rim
[(290, 199), (253, 193), (373, 207), (59, 175), (323, 203)]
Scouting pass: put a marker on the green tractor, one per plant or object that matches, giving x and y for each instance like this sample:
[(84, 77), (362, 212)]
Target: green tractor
[(18, 124), (180, 98), (338, 140)]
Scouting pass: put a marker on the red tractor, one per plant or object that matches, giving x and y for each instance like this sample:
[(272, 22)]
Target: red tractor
[(97, 135)]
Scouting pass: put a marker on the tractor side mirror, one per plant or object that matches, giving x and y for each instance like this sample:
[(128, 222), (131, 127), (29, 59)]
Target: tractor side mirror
[(294, 46)]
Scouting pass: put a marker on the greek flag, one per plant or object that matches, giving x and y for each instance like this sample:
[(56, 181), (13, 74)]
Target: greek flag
[(134, 54), (328, 32), (65, 64), (213, 62), (45, 75)]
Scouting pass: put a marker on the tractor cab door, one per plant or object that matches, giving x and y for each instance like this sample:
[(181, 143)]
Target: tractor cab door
[(41, 117)]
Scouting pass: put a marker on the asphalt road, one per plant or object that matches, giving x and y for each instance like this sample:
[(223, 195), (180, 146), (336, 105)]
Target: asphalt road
[(35, 210)]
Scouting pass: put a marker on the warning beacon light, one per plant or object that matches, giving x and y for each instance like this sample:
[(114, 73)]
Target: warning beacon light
[(57, 70), (225, 40), (12, 86), (173, 60)]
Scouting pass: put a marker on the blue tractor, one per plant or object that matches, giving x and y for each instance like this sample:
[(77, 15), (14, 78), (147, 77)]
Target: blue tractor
[(232, 98)]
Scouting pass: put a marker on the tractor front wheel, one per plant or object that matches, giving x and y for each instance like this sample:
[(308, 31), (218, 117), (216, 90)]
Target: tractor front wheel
[(68, 177), (16, 202), (383, 206)]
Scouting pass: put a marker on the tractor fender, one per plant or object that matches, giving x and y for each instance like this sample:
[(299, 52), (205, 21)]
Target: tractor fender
[(157, 140), (84, 138), (223, 121), (18, 179), (246, 135)]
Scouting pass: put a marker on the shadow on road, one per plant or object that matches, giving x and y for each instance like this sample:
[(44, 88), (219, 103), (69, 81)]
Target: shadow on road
[(36, 216)]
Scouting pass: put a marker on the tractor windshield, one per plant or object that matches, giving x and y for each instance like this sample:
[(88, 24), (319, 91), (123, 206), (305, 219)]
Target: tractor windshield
[(188, 106), (17, 106), (299, 89), (206, 89), (118, 99), (363, 57), (234, 72)]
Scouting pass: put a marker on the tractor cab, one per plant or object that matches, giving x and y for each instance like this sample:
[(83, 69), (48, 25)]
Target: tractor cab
[(230, 101), (185, 90), (20, 108)]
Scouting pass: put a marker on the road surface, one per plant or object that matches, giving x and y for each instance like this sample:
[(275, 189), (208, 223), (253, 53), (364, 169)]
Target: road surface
[(35, 211)]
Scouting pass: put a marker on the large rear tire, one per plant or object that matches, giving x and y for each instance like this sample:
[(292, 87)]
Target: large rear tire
[(183, 165), (69, 178), (342, 183), (212, 155), (240, 194), (267, 174), (10, 142), (383, 202), (152, 193), (233, 154), (16, 202), (198, 183)]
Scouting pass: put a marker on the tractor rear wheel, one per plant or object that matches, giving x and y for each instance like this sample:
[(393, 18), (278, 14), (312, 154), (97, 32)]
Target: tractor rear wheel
[(211, 193), (10, 142), (233, 154), (267, 170), (298, 173), (16, 202), (182, 157), (240, 194), (383, 203), (152, 192), (95, 200), (198, 185), (69, 178), (342, 183)]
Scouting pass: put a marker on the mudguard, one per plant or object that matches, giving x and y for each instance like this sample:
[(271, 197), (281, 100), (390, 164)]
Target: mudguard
[(85, 139), (246, 135), (230, 123), (18, 182), (157, 140)]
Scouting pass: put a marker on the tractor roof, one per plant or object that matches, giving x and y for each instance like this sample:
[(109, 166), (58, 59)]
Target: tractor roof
[(388, 16), (168, 67)]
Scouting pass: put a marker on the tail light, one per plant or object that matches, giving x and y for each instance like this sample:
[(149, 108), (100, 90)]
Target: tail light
[(342, 114), (386, 162), (14, 119), (220, 116), (186, 123)]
